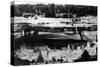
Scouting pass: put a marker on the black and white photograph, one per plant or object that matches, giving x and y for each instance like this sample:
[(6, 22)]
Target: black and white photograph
[(51, 33)]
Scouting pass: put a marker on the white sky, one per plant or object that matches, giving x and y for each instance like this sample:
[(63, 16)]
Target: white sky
[(62, 2), (28, 2)]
